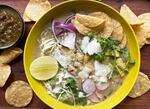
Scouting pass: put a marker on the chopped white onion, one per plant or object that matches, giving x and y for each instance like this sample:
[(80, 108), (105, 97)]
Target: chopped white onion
[(101, 69), (85, 43), (81, 95), (94, 47), (90, 47), (99, 78), (103, 79), (69, 40), (84, 73)]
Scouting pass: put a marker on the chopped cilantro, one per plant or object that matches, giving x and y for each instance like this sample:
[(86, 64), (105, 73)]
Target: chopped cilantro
[(52, 82), (91, 35), (71, 82), (121, 64), (81, 101), (100, 56), (125, 53), (108, 43)]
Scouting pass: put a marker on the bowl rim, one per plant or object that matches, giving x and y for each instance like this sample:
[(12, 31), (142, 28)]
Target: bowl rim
[(4, 6), (138, 63)]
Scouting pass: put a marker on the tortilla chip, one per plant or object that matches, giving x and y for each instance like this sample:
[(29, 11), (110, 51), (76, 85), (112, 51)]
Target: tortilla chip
[(36, 8), (140, 37), (141, 86), (128, 14), (99, 14), (118, 32), (81, 28), (146, 26), (9, 55), (108, 26), (5, 71), (26, 18), (90, 21), (19, 94)]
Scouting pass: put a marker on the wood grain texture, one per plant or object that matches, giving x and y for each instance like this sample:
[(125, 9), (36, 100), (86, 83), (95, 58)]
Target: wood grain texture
[(138, 6)]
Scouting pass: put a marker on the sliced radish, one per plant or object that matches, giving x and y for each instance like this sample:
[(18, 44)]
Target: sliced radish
[(88, 86), (93, 98), (100, 96), (102, 86)]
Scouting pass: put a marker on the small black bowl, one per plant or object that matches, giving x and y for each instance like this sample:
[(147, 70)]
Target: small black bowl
[(21, 28)]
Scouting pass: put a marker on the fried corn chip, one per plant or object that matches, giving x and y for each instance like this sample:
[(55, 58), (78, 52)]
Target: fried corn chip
[(26, 18), (81, 28), (140, 37), (5, 71), (9, 55), (141, 86), (36, 8), (128, 14), (108, 26), (146, 26), (118, 32), (19, 94), (90, 21)]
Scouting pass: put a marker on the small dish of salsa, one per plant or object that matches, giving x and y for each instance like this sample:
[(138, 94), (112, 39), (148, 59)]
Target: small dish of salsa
[(11, 26)]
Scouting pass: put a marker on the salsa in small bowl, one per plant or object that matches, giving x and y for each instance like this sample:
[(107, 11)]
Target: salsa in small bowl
[(11, 26)]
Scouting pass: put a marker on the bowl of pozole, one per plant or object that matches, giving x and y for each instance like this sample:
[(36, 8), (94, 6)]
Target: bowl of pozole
[(81, 54)]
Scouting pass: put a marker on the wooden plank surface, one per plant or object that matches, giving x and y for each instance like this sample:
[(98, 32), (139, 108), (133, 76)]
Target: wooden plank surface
[(138, 6)]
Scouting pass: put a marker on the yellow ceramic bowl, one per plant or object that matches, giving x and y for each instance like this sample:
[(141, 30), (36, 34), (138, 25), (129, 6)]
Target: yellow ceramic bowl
[(77, 5)]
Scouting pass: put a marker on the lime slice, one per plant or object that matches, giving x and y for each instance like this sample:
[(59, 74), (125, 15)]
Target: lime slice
[(44, 68)]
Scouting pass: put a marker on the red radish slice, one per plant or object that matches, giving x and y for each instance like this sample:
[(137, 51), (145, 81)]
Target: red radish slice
[(88, 86), (102, 86), (93, 98), (100, 96)]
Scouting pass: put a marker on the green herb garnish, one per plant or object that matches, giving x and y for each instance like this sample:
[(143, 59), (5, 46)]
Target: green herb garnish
[(100, 56), (71, 83), (52, 82), (91, 35), (81, 101)]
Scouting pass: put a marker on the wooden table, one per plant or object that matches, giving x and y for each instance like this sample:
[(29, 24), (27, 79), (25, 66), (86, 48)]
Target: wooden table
[(138, 6)]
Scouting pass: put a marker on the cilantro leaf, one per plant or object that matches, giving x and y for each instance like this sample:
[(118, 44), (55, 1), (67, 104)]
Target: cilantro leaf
[(112, 42), (52, 82), (125, 53), (100, 56), (81, 101), (91, 35), (71, 82)]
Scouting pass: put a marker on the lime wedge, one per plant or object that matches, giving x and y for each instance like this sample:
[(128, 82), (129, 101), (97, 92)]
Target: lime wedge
[(44, 68)]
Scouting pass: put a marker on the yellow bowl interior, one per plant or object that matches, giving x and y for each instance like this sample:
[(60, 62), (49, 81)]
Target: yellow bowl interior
[(80, 5)]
